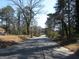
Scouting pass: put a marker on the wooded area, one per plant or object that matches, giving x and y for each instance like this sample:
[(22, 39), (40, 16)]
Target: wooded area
[(19, 18), (64, 23)]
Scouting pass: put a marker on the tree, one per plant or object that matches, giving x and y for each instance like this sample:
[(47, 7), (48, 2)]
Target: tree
[(7, 14), (60, 5), (77, 16), (66, 14), (60, 9), (19, 13), (51, 24), (31, 9)]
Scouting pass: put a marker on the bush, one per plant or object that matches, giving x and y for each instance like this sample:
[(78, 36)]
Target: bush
[(53, 35)]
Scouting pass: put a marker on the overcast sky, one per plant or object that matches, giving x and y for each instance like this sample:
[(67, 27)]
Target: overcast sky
[(48, 8)]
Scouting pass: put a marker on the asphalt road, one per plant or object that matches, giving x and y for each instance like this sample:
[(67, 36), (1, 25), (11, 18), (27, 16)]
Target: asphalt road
[(40, 48)]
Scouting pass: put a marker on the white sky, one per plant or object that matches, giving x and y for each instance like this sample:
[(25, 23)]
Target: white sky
[(48, 8)]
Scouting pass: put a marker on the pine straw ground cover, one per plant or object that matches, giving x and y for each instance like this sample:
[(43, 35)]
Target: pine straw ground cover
[(9, 40), (72, 47), (15, 38)]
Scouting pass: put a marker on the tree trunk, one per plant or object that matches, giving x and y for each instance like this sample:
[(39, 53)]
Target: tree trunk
[(77, 16), (62, 28), (18, 24), (28, 25), (6, 25), (69, 23), (66, 31)]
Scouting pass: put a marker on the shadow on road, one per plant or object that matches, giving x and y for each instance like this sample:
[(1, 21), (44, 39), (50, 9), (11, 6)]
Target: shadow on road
[(41, 52)]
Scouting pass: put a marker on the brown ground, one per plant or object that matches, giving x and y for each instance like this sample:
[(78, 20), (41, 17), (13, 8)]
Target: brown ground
[(15, 38), (72, 47)]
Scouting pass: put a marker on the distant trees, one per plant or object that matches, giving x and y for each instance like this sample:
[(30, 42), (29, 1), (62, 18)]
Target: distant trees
[(36, 31)]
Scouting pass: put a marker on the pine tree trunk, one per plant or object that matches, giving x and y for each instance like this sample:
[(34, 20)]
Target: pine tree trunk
[(69, 23), (77, 16)]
